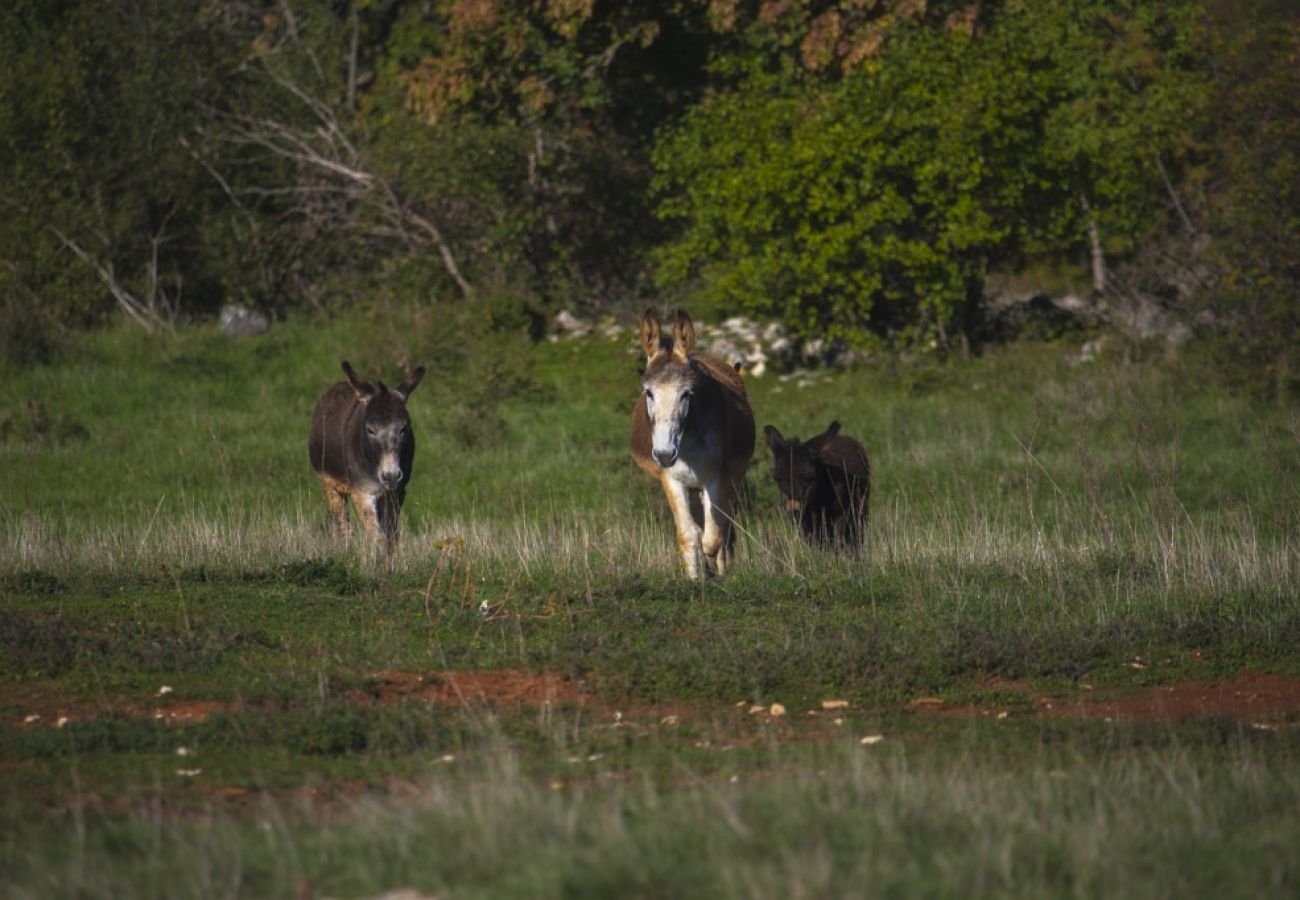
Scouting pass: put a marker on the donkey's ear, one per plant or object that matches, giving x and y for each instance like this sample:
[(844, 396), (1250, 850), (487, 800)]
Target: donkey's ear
[(650, 333), (833, 428), (774, 439), (683, 334), (363, 389), (412, 381)]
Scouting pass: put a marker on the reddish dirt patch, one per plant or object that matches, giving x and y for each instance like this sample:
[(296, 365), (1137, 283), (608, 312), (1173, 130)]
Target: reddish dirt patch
[(45, 704), (1255, 697), (510, 688)]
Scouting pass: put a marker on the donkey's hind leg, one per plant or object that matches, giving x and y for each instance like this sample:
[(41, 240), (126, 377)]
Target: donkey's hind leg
[(336, 497)]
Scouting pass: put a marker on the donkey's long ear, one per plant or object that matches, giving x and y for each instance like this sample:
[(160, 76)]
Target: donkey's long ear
[(364, 389), (833, 428), (683, 334), (774, 439), (412, 381), (650, 333)]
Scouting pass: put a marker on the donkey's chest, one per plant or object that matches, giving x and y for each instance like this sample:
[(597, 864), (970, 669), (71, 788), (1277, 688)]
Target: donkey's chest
[(699, 465)]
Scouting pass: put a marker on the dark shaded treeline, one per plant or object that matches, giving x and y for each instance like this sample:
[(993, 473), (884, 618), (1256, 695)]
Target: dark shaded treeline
[(852, 169)]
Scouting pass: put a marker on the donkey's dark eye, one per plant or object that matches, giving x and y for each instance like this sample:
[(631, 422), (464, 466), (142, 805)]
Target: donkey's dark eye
[(649, 394)]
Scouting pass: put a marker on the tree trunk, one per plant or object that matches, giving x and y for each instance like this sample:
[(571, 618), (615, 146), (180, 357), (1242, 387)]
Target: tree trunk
[(1095, 252), (354, 22)]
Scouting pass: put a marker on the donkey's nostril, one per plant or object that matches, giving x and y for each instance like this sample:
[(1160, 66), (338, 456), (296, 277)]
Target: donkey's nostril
[(390, 479), (665, 458)]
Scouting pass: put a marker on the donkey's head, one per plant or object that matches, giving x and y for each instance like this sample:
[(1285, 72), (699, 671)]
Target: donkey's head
[(385, 437), (668, 383), (795, 470)]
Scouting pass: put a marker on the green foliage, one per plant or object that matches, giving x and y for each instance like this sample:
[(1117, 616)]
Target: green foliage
[(877, 202), (96, 103), (1249, 195), (522, 125), (854, 169)]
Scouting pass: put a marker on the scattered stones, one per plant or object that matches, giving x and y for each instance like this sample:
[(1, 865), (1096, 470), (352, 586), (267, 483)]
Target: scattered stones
[(238, 321), (753, 347), (567, 325), (1090, 350)]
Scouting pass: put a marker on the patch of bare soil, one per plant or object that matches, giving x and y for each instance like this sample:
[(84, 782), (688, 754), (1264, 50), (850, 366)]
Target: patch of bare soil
[(1258, 698), (1254, 697), (46, 704), (712, 724), (490, 688)]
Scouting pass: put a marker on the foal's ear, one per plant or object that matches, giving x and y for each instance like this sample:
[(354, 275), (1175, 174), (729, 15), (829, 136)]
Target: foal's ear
[(774, 439), (650, 333), (412, 381), (364, 389), (833, 428), (683, 334)]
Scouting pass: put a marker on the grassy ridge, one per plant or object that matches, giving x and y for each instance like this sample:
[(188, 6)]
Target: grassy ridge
[(1034, 521)]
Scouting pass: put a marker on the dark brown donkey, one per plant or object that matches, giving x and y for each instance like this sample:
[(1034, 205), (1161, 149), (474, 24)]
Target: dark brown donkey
[(825, 484), (693, 432), (362, 447)]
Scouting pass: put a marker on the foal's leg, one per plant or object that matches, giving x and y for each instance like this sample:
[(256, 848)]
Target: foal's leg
[(688, 532), (336, 497)]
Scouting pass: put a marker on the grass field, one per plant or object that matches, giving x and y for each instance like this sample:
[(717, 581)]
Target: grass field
[(203, 694)]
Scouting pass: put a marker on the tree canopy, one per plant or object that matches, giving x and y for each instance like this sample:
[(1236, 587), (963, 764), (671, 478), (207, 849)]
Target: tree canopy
[(855, 168)]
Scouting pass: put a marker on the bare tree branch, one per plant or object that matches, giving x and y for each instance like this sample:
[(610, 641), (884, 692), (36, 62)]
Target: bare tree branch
[(147, 313), (337, 187)]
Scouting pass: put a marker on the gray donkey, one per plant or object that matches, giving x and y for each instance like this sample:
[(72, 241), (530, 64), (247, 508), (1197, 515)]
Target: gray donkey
[(362, 447)]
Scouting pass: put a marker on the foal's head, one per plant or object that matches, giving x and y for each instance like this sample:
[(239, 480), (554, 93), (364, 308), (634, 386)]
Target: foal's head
[(794, 468), (668, 383), (387, 443)]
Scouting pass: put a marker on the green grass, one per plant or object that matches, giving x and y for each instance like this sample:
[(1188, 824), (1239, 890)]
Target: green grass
[(1009, 813), (1034, 522)]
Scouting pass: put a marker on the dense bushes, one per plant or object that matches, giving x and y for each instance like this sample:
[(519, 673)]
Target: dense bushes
[(876, 202), (852, 169)]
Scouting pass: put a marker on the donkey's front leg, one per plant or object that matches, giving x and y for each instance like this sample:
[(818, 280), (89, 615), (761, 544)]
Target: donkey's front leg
[(387, 507), (688, 532), (336, 497), (375, 515), (719, 504)]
